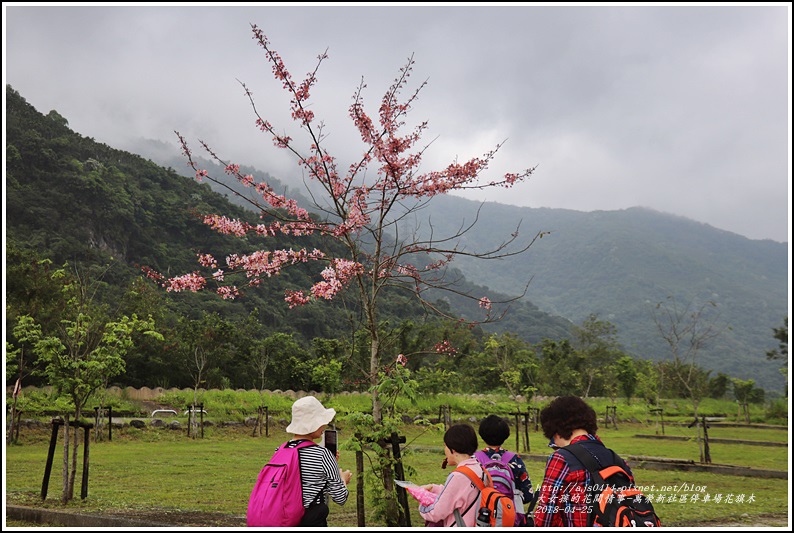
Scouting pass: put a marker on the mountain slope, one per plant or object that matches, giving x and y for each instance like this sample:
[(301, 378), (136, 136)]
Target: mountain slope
[(620, 264)]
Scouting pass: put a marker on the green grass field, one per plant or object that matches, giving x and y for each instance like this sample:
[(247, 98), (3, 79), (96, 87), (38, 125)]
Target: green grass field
[(164, 469)]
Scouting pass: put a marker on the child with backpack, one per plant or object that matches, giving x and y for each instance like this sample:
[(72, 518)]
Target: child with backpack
[(458, 495), (291, 489), (507, 469)]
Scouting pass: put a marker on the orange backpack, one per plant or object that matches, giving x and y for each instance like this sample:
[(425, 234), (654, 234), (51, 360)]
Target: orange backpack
[(496, 509)]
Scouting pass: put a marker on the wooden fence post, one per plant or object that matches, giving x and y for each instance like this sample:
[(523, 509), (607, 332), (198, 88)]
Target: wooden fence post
[(706, 453), (360, 485), (399, 472), (518, 429), (50, 455), (201, 414), (96, 424), (84, 484)]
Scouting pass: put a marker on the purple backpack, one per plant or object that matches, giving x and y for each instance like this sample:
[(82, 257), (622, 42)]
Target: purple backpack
[(277, 497), (498, 466)]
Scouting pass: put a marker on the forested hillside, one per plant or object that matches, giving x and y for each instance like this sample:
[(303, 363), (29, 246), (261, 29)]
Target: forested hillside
[(103, 214)]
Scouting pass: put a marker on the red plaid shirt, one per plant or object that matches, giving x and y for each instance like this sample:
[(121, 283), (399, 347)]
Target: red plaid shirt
[(563, 499)]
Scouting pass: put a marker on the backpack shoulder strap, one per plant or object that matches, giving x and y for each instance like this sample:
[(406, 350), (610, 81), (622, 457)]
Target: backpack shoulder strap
[(465, 470), (589, 462), (481, 456), (508, 456)]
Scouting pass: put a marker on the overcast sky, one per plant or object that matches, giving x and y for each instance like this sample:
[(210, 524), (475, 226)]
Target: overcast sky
[(683, 109)]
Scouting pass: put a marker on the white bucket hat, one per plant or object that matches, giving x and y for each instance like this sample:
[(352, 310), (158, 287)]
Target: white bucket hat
[(308, 415)]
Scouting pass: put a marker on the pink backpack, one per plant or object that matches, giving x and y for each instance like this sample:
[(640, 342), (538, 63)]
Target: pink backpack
[(277, 497)]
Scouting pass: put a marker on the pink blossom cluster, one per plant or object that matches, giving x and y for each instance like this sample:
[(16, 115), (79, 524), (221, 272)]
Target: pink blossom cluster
[(336, 277), (228, 293), (408, 270), (445, 347), (296, 298), (151, 273), (270, 263), (329, 287), (188, 282), (301, 93), (402, 360), (226, 226), (485, 303), (207, 260)]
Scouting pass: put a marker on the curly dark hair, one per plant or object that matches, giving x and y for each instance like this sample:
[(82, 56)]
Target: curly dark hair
[(461, 438), (494, 430), (565, 414)]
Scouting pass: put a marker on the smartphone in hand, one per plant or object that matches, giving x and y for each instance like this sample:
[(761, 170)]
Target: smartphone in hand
[(330, 440)]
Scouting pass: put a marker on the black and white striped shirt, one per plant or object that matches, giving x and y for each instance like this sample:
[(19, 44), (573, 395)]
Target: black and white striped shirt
[(320, 474)]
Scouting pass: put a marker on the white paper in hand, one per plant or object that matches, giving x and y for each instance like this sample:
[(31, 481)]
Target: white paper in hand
[(423, 496)]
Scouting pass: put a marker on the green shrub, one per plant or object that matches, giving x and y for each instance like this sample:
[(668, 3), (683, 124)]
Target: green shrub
[(777, 411)]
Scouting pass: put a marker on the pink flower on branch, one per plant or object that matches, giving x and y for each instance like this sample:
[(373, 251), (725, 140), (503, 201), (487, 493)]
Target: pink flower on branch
[(207, 260), (445, 347), (152, 274), (336, 277), (296, 298), (228, 293), (188, 282), (226, 226)]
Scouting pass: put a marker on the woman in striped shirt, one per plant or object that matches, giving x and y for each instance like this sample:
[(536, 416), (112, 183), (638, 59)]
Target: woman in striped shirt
[(321, 476)]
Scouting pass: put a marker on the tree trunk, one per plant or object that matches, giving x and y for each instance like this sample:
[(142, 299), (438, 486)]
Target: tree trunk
[(12, 427), (391, 510), (587, 389), (374, 363), (75, 450)]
